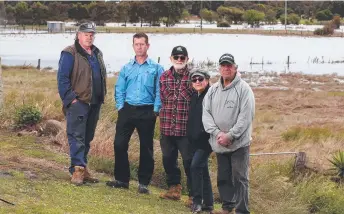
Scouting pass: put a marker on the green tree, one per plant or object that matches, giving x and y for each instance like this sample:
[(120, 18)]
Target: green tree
[(324, 15), (78, 12), (224, 13), (206, 15), (58, 11), (23, 14), (40, 13), (185, 16), (215, 16), (99, 12), (172, 10), (154, 13), (122, 14), (270, 16), (291, 19), (236, 14), (2, 13), (138, 11), (10, 14), (253, 17), (260, 7)]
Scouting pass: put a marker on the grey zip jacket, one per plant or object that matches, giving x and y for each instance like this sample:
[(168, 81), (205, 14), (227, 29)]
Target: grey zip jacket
[(230, 110)]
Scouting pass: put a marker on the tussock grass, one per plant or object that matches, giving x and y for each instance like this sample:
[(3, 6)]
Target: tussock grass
[(314, 134), (336, 93)]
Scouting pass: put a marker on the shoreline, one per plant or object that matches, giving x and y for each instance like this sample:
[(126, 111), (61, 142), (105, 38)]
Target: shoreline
[(172, 30)]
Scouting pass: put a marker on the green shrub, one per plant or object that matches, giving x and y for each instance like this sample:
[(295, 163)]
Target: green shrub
[(322, 195), (27, 115), (338, 163), (223, 24)]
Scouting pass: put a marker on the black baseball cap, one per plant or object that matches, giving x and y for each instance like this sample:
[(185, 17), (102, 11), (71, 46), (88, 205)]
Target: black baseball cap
[(227, 58), (179, 50), (87, 27)]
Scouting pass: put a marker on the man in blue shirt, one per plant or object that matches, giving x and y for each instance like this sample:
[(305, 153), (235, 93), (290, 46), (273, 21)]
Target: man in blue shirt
[(81, 79), (138, 103)]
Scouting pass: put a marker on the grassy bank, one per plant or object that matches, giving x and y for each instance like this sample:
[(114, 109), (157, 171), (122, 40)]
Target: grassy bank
[(286, 120), (175, 30)]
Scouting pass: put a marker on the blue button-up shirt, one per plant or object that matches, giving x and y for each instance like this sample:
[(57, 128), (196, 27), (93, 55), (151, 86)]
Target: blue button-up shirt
[(138, 84)]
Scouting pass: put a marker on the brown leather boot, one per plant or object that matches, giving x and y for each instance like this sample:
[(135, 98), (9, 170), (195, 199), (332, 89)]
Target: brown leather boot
[(177, 192), (189, 202), (225, 212), (88, 178), (169, 193), (78, 175)]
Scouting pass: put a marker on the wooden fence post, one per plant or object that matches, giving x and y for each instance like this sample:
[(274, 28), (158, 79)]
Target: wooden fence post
[(300, 161), (39, 64)]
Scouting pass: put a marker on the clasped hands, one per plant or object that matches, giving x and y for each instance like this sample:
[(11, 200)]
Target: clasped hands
[(223, 139)]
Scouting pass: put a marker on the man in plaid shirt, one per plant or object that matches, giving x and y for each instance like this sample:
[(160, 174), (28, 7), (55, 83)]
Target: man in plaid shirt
[(175, 95)]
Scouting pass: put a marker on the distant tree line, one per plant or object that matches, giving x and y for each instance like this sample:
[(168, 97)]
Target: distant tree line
[(167, 12)]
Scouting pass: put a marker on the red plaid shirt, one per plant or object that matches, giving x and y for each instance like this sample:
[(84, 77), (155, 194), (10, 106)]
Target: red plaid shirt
[(175, 95)]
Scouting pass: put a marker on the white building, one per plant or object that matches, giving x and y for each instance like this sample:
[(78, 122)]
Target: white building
[(56, 26)]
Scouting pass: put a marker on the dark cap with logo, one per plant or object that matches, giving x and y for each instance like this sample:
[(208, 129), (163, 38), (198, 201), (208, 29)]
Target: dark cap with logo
[(227, 58), (87, 27), (179, 50)]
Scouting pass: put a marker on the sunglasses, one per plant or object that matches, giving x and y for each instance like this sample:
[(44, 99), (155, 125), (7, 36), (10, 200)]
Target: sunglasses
[(200, 79), (182, 58)]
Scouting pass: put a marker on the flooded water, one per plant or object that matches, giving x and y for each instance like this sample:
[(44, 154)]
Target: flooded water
[(307, 55)]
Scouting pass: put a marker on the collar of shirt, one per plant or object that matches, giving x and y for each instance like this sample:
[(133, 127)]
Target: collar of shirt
[(133, 61), (179, 75)]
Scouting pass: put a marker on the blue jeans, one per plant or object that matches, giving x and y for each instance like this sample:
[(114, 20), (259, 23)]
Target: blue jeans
[(82, 120), (201, 184)]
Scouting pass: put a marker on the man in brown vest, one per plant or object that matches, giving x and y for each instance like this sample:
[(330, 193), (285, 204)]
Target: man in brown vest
[(81, 82)]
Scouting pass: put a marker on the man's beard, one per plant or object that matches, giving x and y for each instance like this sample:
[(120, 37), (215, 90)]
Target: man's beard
[(179, 66)]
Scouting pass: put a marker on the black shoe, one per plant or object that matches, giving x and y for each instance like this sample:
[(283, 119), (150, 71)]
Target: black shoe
[(117, 184), (143, 189), (207, 208), (196, 208)]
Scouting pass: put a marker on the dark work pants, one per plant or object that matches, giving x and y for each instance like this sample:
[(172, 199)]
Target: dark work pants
[(143, 119), (82, 120), (201, 185), (232, 180), (169, 147)]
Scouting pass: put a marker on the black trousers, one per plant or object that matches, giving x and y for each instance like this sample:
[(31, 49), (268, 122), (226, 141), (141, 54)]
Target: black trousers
[(143, 119), (169, 147)]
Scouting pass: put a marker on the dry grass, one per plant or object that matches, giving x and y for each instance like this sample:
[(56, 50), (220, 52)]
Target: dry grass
[(298, 119)]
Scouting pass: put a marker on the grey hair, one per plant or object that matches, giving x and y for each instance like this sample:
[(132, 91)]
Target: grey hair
[(236, 66)]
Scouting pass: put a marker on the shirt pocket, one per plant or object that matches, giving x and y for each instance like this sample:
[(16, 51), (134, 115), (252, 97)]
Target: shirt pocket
[(149, 78)]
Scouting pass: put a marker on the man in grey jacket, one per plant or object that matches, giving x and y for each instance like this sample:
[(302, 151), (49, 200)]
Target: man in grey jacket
[(228, 112)]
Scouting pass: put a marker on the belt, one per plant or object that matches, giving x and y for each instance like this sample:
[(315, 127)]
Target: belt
[(138, 107)]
